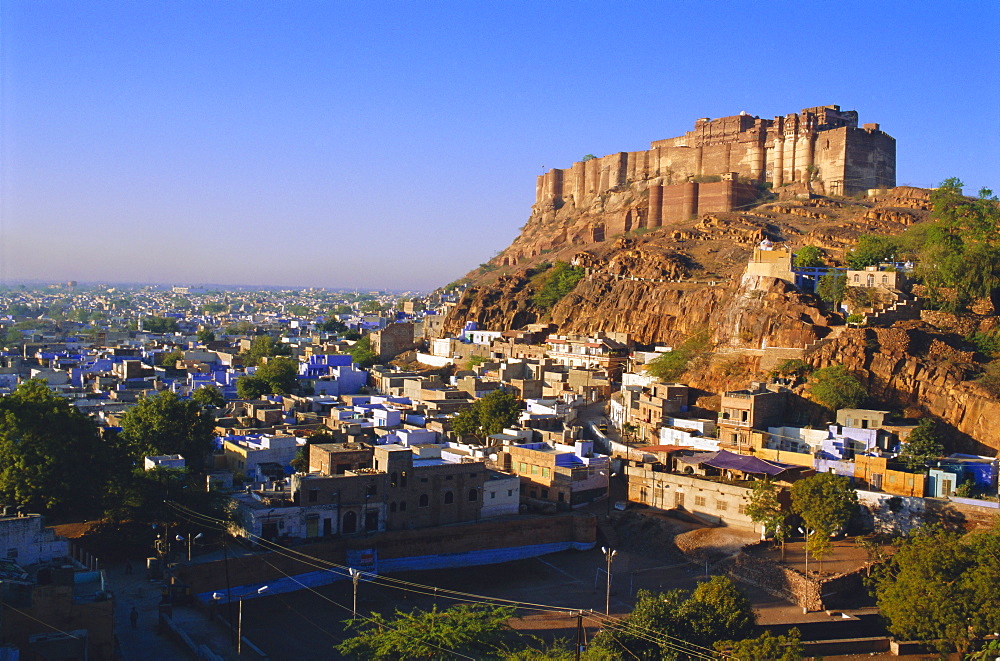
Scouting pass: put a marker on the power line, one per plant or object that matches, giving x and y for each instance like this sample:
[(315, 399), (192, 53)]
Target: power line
[(418, 588)]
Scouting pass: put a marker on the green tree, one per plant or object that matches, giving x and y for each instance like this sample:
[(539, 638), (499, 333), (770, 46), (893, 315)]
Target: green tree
[(941, 587), (765, 507), (871, 250), (160, 325), (263, 346), (362, 354), (466, 630), (52, 458), (556, 283), (332, 325), (208, 396), (280, 374), (300, 462), (488, 415), (165, 424), (832, 288), (922, 446), (809, 257), (251, 387), (825, 502), (672, 364), (960, 249), (765, 647), (170, 358), (205, 335), (836, 388), (678, 624)]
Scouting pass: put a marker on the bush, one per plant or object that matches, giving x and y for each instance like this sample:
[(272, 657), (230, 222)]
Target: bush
[(808, 257), (670, 366), (557, 282), (836, 388)]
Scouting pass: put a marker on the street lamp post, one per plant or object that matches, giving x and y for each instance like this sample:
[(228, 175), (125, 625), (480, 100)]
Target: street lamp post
[(609, 553), (355, 577), (190, 541), (806, 534), (239, 623)]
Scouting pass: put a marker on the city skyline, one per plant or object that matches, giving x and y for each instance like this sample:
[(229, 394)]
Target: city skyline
[(396, 146)]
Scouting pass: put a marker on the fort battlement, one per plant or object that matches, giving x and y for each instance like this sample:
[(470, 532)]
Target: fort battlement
[(821, 147), (719, 166)]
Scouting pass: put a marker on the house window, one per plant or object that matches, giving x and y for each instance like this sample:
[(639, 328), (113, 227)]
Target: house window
[(545, 493), (372, 490), (534, 470), (392, 506), (857, 278), (699, 501), (313, 495), (510, 493), (742, 509), (473, 496), (473, 475), (449, 477), (493, 494), (402, 506), (885, 279), (545, 472), (423, 500), (392, 480), (522, 467), (449, 498), (721, 505)]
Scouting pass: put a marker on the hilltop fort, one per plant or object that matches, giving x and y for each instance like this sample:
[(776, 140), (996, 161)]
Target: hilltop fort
[(721, 165)]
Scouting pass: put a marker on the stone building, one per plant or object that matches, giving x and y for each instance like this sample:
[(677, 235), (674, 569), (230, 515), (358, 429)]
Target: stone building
[(391, 341), (821, 148), (721, 165)]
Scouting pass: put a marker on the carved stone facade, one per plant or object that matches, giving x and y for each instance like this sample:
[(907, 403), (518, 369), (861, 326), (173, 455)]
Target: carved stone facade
[(821, 147)]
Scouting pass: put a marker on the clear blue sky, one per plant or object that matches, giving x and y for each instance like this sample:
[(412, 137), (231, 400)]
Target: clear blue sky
[(396, 144)]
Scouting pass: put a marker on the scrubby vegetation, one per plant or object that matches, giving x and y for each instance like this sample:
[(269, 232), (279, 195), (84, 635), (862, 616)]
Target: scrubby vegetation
[(552, 284)]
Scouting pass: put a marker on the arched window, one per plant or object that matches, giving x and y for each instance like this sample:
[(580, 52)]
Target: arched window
[(424, 501), (392, 506), (402, 506), (350, 522), (473, 494), (449, 498)]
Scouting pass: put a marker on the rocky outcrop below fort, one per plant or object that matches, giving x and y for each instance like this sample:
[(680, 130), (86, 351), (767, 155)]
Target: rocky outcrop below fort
[(913, 367), (663, 285)]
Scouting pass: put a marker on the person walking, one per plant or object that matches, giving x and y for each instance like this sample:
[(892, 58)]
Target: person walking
[(134, 618)]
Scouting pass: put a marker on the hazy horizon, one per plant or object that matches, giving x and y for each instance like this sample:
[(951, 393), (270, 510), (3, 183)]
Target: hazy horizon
[(395, 146)]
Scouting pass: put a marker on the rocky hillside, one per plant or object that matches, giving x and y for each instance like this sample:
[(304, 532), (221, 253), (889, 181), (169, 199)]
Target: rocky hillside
[(663, 285)]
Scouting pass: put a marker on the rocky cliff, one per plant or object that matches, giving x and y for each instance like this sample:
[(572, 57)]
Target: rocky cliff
[(663, 285)]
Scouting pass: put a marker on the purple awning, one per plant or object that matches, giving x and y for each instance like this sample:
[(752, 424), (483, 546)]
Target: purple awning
[(724, 460)]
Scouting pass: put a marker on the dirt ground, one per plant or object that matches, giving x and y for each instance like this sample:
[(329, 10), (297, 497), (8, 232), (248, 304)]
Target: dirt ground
[(306, 624)]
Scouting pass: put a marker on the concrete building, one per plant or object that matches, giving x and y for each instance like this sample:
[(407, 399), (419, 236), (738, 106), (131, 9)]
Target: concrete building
[(567, 476)]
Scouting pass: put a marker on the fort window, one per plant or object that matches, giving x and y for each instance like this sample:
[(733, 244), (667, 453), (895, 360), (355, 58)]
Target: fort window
[(392, 506), (472, 495), (402, 506), (545, 493), (449, 498), (424, 500), (392, 480)]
